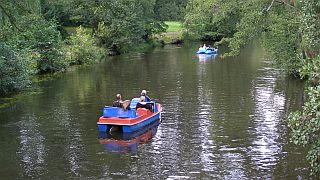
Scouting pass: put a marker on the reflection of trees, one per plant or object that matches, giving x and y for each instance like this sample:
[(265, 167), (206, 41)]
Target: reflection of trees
[(72, 146), (224, 105), (266, 149), (32, 147), (274, 97)]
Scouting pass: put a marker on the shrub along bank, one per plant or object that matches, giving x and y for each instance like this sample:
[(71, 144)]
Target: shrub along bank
[(34, 42)]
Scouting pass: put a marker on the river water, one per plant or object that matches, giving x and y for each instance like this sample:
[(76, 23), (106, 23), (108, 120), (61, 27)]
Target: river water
[(222, 119)]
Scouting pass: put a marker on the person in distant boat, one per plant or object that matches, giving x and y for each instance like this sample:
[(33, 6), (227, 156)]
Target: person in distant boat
[(146, 98), (204, 46), (118, 102)]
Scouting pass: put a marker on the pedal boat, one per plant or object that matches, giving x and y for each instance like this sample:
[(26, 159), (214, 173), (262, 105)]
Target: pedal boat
[(207, 51), (131, 120)]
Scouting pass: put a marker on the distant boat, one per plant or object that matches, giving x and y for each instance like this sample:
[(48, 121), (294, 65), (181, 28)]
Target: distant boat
[(128, 121), (207, 51)]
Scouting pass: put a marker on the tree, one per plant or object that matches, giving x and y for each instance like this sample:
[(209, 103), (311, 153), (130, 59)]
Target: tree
[(82, 49), (122, 23), (13, 70), (170, 10), (290, 32), (212, 19)]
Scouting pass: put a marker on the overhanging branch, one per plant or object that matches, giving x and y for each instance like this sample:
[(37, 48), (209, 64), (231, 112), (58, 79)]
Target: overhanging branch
[(11, 19), (270, 5)]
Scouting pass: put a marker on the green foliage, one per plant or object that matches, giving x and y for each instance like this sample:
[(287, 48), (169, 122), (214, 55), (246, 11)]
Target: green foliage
[(310, 25), (212, 19), (59, 10), (170, 10), (31, 28), (123, 23), (289, 32), (13, 70), (280, 39), (42, 41), (82, 49), (198, 15), (305, 126)]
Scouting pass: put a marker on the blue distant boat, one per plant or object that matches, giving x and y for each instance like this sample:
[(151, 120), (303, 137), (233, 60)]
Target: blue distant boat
[(207, 51)]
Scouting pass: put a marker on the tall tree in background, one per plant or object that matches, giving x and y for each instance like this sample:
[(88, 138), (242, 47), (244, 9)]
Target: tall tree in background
[(212, 19), (170, 10), (118, 24)]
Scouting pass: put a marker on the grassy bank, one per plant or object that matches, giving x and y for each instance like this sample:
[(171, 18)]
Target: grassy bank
[(173, 34), (174, 26)]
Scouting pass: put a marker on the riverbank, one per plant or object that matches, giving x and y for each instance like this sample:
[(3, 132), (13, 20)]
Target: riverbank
[(173, 34), (80, 48)]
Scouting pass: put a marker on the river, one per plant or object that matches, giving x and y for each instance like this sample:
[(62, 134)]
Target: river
[(222, 119)]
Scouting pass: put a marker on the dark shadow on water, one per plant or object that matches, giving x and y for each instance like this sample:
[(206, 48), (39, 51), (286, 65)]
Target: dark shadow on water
[(127, 142)]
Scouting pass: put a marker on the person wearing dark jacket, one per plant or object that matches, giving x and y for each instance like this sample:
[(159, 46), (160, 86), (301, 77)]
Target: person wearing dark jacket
[(118, 102), (143, 104), (144, 93)]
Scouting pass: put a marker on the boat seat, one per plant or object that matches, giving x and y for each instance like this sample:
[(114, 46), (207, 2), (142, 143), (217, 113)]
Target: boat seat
[(142, 111), (134, 102)]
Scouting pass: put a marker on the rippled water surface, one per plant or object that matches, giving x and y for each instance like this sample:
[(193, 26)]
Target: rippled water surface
[(222, 119)]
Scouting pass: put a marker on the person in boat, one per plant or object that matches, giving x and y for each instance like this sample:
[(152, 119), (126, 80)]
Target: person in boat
[(211, 48), (143, 104), (118, 102), (146, 98), (205, 46), (126, 105)]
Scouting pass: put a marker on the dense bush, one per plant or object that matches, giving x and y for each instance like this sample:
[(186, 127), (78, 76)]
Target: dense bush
[(82, 49), (170, 10), (42, 41), (13, 70), (212, 19), (305, 126), (123, 24)]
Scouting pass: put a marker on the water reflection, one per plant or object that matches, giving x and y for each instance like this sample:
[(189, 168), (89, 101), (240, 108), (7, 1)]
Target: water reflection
[(206, 57), (204, 112), (69, 129), (127, 142), (32, 148), (222, 119), (266, 149)]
